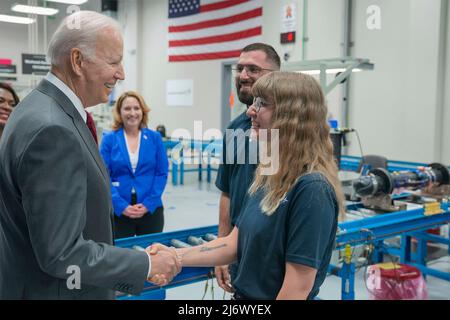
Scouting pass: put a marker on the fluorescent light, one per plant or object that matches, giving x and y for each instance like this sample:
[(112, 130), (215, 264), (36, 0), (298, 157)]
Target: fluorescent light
[(16, 19), (34, 10), (310, 72), (77, 2), (328, 71)]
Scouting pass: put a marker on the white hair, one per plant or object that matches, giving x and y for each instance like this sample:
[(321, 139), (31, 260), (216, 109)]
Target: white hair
[(79, 30)]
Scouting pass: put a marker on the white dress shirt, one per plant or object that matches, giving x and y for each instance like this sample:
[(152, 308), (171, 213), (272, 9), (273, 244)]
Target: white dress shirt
[(134, 156), (50, 77)]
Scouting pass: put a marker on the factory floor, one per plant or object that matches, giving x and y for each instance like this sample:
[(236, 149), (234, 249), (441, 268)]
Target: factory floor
[(195, 204)]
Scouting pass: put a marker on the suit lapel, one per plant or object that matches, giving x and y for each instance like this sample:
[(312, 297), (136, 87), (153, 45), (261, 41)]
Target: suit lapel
[(64, 102), (143, 146), (123, 147)]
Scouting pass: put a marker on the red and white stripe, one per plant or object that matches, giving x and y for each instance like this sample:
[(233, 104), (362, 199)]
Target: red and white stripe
[(219, 31)]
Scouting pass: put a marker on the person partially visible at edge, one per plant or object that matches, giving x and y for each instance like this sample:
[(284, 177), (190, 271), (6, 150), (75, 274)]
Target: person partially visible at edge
[(8, 100)]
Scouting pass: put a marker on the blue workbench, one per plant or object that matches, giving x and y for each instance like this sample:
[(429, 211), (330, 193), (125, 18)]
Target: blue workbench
[(407, 224)]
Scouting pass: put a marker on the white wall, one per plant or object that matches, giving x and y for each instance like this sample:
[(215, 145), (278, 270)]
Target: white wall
[(394, 107), (13, 47), (446, 111), (128, 17), (325, 29), (157, 69)]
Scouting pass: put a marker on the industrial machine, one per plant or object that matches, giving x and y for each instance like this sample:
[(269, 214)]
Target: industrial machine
[(178, 239), (426, 185), (410, 215)]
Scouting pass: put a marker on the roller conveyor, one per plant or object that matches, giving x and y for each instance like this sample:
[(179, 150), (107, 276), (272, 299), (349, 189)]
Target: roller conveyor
[(176, 238), (366, 230)]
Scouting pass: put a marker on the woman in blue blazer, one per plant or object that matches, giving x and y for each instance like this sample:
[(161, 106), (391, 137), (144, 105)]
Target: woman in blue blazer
[(138, 167)]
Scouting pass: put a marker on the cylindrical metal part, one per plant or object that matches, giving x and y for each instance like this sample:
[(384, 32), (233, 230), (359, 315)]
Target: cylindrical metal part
[(195, 241), (365, 186), (405, 179), (442, 173), (139, 248), (179, 244), (209, 237), (380, 181)]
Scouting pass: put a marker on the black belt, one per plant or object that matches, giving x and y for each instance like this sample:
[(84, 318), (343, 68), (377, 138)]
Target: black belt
[(133, 198)]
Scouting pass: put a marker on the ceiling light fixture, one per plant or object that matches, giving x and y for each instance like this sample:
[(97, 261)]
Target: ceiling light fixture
[(341, 67), (34, 10), (77, 2), (16, 19)]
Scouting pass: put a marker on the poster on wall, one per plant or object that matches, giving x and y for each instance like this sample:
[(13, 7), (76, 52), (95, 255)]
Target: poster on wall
[(288, 23), (34, 64), (180, 93)]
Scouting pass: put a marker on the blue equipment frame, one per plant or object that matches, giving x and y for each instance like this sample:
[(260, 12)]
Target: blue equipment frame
[(211, 148), (373, 230)]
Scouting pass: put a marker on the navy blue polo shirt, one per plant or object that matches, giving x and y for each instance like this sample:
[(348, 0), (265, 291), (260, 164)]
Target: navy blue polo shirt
[(302, 230), (235, 174)]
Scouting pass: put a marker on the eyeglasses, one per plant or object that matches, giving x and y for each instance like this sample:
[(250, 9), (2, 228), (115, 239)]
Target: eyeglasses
[(251, 69), (258, 102)]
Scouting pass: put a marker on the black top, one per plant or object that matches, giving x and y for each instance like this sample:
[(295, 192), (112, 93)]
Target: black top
[(237, 170), (302, 230)]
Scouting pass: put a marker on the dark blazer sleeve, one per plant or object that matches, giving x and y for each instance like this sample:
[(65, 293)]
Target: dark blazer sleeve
[(119, 203), (161, 172), (54, 200)]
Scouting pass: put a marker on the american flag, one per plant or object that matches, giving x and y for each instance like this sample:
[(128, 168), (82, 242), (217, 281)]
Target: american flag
[(212, 29)]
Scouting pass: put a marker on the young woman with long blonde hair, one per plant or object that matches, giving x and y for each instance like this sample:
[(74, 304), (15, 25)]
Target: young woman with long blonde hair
[(285, 234)]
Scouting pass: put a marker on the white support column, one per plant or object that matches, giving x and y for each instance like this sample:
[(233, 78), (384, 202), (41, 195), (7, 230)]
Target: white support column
[(127, 16), (445, 132), (441, 83)]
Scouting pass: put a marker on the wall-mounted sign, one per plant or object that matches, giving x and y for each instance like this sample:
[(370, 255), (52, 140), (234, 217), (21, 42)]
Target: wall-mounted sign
[(34, 64), (5, 61), (288, 23), (8, 69), (180, 92), (288, 37)]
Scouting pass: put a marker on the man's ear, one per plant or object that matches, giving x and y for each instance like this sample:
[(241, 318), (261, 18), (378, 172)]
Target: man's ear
[(76, 61)]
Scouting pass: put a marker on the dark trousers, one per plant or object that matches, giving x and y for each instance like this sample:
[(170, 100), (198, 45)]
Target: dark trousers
[(125, 227)]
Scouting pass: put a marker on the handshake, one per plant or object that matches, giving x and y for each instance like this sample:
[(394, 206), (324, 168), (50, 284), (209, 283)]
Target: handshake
[(166, 264)]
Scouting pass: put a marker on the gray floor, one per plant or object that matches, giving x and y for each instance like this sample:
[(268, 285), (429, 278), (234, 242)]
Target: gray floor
[(195, 204)]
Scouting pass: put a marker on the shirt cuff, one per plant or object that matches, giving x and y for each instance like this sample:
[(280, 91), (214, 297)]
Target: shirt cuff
[(149, 265)]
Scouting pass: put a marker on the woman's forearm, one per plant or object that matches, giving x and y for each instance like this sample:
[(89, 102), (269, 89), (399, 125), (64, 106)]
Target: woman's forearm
[(221, 251)]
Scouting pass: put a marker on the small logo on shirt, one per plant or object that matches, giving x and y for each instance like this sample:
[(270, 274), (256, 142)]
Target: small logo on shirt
[(145, 137), (285, 200)]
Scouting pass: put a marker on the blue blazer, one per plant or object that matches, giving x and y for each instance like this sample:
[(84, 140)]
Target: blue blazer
[(150, 177)]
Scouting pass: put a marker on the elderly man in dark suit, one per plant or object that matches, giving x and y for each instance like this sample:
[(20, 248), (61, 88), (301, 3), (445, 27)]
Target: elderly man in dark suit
[(55, 203)]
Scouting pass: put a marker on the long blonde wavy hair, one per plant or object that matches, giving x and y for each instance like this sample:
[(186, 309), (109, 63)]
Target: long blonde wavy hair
[(304, 136)]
